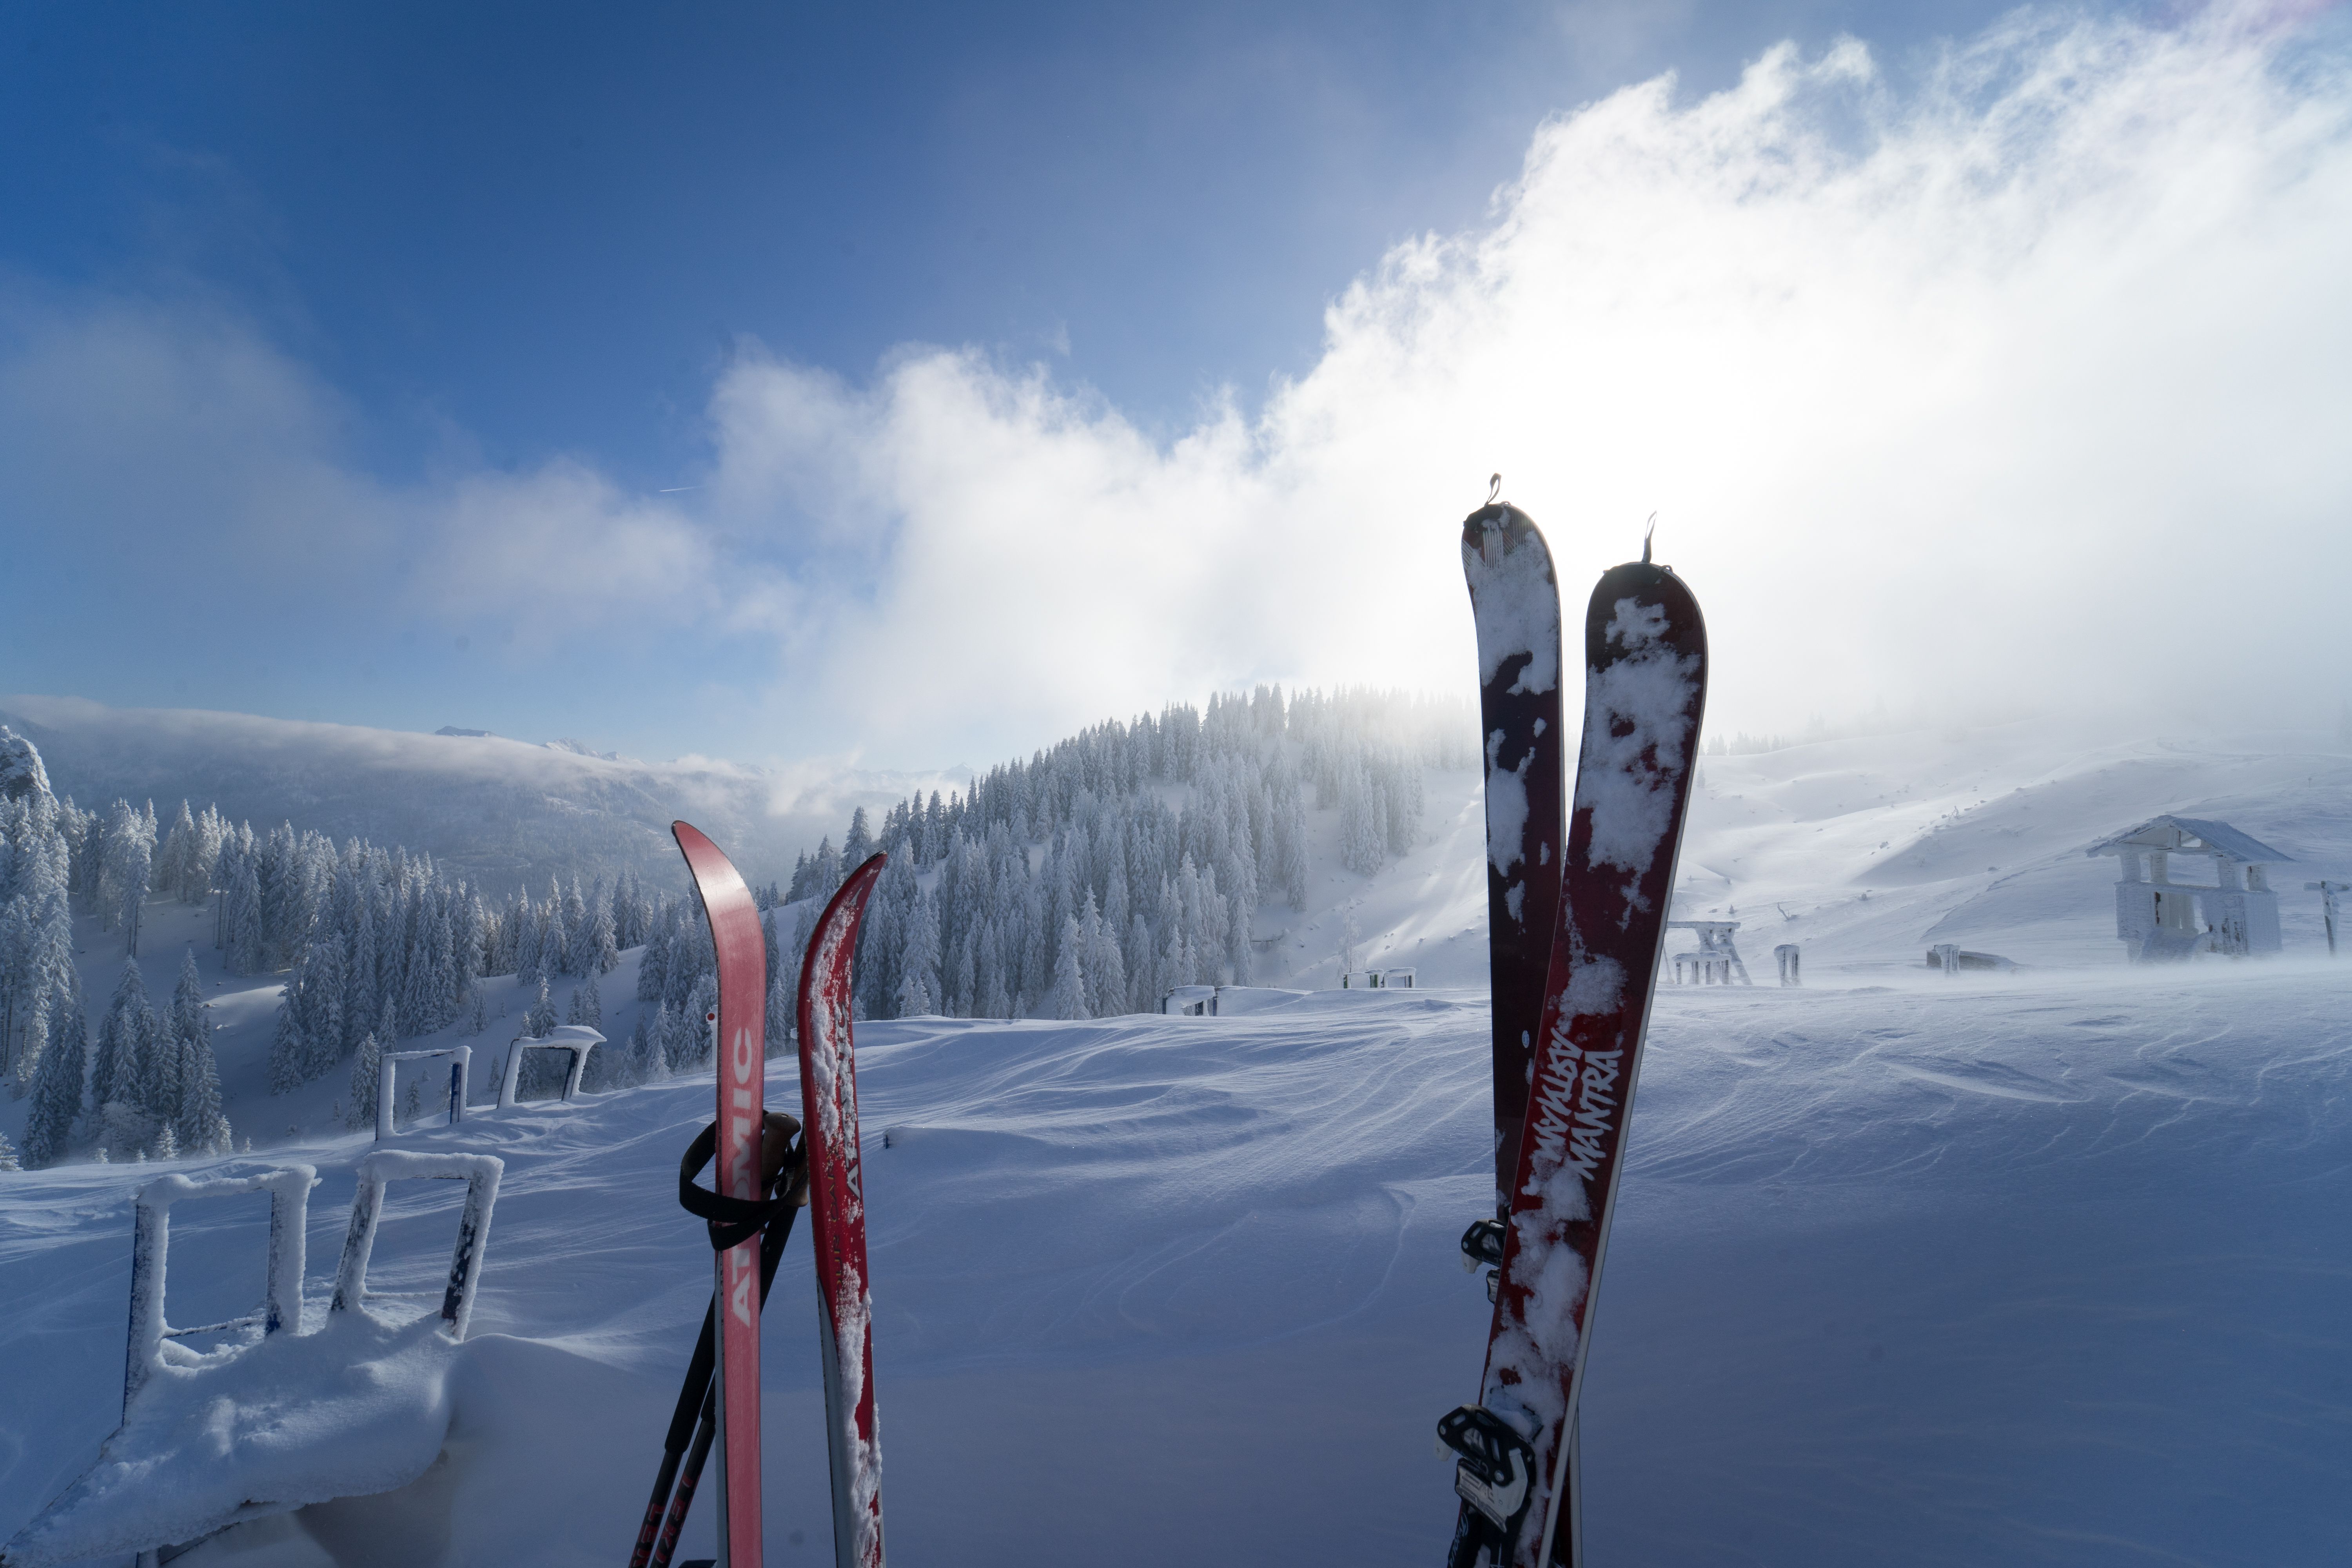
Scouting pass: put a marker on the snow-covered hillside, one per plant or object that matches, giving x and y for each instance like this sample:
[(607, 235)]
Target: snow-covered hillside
[(2043, 1267)]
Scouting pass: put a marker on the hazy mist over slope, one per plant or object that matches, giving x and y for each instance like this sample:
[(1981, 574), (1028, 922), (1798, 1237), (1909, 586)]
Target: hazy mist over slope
[(493, 810)]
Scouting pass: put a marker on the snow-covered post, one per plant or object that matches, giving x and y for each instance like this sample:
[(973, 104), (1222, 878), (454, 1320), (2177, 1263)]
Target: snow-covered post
[(1947, 959), (480, 1172), (2330, 913), (289, 1199), (1786, 954)]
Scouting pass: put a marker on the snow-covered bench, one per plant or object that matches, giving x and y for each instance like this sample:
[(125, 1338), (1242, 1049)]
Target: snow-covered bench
[(279, 1417)]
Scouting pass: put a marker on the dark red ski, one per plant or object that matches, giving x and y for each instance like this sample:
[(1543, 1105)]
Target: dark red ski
[(1646, 692), (837, 1224), (1515, 601)]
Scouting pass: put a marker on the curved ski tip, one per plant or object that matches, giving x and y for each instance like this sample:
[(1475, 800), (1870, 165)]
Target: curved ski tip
[(1651, 528), (1494, 488), (1498, 527)]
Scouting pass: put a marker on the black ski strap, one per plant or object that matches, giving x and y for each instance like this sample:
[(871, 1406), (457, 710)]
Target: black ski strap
[(733, 1221)]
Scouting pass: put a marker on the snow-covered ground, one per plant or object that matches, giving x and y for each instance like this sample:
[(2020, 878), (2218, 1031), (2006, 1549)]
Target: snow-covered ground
[(2048, 1268)]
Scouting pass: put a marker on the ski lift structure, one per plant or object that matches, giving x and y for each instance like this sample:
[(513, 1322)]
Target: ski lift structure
[(2158, 920), (1376, 980), (1715, 961)]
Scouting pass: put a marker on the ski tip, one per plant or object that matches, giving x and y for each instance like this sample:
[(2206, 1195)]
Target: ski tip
[(1494, 488), (1651, 528), (1497, 529)]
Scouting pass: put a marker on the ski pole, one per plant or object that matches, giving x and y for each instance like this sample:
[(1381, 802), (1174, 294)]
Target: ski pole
[(706, 1430), (787, 1178)]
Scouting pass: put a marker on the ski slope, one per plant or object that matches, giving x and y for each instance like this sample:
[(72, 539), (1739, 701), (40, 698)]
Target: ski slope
[(2048, 1268)]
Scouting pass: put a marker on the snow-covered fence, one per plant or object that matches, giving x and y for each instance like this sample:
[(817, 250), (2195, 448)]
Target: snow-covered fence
[(1790, 960), (1376, 980), (461, 1059), (480, 1172), (577, 1038), (289, 1187)]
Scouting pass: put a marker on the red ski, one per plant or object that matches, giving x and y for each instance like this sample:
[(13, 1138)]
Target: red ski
[(837, 1222), (741, 1035), (1645, 691)]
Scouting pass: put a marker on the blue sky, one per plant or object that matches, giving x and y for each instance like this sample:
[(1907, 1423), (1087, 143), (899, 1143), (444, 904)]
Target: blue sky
[(428, 364)]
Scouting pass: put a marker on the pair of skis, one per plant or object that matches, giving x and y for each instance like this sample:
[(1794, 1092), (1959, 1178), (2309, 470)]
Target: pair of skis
[(1575, 921), (759, 1187)]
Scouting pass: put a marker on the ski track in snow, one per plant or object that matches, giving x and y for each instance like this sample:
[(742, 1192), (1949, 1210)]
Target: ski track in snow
[(2045, 1268)]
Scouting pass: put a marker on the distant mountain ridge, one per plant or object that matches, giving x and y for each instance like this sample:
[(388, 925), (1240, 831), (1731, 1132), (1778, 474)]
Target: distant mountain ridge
[(496, 811)]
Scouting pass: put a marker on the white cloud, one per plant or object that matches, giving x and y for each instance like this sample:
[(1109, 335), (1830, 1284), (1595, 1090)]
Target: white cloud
[(2018, 387), (556, 545)]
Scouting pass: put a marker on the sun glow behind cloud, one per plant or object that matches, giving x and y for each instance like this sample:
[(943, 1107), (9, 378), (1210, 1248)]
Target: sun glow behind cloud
[(2018, 385)]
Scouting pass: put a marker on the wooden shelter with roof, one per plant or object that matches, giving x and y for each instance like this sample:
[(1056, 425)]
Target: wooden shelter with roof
[(2156, 918)]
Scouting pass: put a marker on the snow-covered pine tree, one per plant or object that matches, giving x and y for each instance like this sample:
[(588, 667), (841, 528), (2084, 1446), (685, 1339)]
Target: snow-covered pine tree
[(653, 965), (8, 1161), (119, 1072), (242, 915), (37, 967), (362, 990), (540, 1018), (586, 1006), (1066, 998), (1106, 966), (555, 940), (367, 1078), (57, 1086), (159, 1051), (600, 951), (201, 1128), (127, 869), (289, 1053), (175, 860), (321, 991), (648, 1045)]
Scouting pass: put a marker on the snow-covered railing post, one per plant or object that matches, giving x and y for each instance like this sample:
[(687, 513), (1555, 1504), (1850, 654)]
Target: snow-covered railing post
[(289, 1187), (577, 1038), (1947, 956), (2329, 914), (459, 1066), (480, 1172), (1788, 955)]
